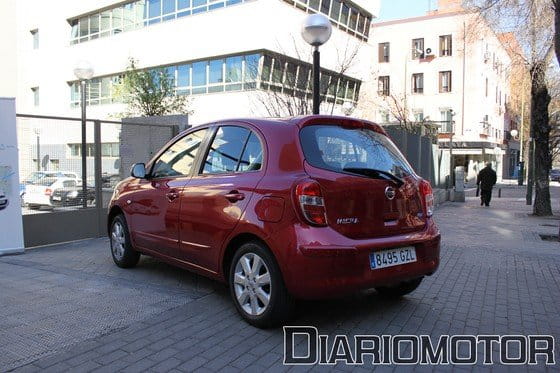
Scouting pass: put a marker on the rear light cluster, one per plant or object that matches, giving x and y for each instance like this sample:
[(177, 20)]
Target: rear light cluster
[(48, 191), (311, 202), (428, 197)]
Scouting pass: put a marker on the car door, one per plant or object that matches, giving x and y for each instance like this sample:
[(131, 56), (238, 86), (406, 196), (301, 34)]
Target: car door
[(153, 206), (216, 197)]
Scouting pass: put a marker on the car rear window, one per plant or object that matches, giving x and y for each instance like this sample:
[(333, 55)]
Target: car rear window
[(338, 148), (46, 181)]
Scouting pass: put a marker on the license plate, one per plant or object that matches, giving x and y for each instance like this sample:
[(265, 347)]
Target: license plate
[(55, 198), (392, 257)]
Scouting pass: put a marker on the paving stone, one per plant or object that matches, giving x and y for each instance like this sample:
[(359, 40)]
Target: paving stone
[(70, 309)]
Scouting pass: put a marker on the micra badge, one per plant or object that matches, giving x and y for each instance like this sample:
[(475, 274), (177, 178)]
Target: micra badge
[(347, 221)]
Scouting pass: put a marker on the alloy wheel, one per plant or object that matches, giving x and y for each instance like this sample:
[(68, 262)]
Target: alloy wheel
[(118, 240), (252, 284)]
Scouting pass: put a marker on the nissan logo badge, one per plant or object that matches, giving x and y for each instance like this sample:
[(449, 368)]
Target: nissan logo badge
[(390, 193)]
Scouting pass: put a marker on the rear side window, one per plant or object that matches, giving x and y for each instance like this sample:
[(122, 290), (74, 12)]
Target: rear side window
[(68, 183), (233, 149), (251, 160), (178, 159), (337, 148)]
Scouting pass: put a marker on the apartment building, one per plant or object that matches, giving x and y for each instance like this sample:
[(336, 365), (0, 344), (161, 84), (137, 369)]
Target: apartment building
[(450, 70)]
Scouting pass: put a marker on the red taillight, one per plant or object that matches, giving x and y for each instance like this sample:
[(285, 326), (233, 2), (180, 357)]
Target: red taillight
[(311, 202), (428, 197), (48, 191)]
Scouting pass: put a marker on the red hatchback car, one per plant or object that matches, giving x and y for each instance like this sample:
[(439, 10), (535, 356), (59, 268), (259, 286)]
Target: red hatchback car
[(306, 207)]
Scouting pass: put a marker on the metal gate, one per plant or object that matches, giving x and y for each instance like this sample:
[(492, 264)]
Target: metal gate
[(55, 205)]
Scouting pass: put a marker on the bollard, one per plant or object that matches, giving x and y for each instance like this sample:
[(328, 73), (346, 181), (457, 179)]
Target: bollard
[(499, 192)]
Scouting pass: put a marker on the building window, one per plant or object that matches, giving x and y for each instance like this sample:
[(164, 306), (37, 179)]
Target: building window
[(444, 81), (418, 116), (109, 149), (141, 13), (486, 88), (486, 130), (384, 86), (445, 45), (446, 120), (417, 48), (54, 164), (287, 75), (235, 73), (35, 91), (189, 78), (138, 14), (35, 36), (418, 83), (384, 116), (76, 150), (344, 15), (384, 50)]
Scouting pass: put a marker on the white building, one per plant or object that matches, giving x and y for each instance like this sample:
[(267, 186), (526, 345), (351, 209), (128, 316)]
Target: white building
[(450, 69), (224, 53), (218, 50)]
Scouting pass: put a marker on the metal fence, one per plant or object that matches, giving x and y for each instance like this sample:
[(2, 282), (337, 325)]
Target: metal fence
[(55, 205), (421, 151)]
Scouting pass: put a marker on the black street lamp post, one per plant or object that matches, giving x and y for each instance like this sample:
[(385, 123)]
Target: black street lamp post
[(83, 72), (316, 31)]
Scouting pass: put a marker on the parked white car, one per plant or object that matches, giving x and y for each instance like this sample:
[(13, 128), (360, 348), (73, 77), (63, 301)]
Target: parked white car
[(39, 194), (35, 176)]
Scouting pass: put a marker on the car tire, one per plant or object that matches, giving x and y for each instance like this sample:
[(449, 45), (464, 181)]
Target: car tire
[(262, 304), (122, 251), (400, 289)]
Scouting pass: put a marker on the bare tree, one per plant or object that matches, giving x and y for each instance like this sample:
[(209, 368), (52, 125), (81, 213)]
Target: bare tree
[(554, 109), (556, 6), (395, 104), (287, 95), (555, 140), (531, 21)]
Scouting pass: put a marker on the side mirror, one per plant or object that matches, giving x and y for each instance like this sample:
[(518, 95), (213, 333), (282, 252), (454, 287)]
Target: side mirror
[(138, 171)]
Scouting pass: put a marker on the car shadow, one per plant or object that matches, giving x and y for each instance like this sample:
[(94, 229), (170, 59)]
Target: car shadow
[(366, 306)]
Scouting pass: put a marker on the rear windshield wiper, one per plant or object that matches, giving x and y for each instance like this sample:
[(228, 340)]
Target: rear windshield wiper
[(375, 173)]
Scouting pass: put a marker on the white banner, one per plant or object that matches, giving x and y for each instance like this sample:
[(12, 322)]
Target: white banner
[(11, 228)]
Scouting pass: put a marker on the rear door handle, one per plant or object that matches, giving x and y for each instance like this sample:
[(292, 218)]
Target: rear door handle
[(235, 196), (172, 196)]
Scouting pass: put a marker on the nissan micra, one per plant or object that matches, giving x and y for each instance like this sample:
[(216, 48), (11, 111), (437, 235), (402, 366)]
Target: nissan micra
[(280, 209)]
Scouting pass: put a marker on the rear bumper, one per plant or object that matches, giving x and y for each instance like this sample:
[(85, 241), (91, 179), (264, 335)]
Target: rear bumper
[(66, 201), (320, 270), (37, 199)]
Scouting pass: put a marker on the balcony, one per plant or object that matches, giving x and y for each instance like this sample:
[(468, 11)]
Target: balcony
[(445, 126)]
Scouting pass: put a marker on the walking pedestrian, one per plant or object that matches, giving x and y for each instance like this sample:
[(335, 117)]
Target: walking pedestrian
[(486, 180)]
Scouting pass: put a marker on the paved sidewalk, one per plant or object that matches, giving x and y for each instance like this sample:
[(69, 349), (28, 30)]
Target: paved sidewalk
[(68, 308)]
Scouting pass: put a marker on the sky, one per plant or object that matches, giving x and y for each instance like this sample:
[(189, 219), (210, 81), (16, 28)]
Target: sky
[(396, 9)]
